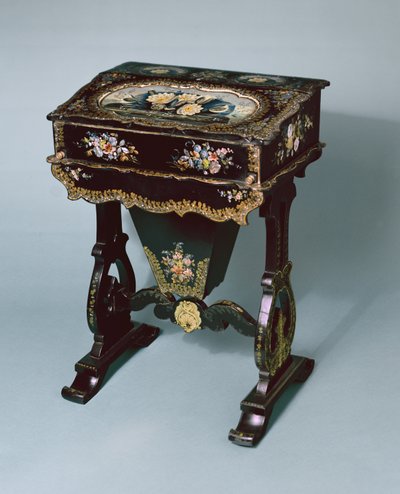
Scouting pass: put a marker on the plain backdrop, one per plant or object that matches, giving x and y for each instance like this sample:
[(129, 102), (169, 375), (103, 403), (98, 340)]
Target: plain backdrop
[(160, 423)]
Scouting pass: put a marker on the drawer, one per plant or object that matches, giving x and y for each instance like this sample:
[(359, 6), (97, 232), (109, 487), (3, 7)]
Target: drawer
[(217, 201), (202, 159)]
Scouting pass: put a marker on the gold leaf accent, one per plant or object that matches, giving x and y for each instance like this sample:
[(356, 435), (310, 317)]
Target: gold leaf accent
[(99, 91), (58, 129), (139, 171), (275, 358), (196, 290), (237, 213), (84, 104), (253, 153), (187, 315)]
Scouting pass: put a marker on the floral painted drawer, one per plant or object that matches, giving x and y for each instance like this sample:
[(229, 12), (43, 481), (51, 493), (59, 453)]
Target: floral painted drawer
[(184, 139)]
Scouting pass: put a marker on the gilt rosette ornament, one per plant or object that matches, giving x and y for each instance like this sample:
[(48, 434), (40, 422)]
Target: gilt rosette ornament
[(187, 316)]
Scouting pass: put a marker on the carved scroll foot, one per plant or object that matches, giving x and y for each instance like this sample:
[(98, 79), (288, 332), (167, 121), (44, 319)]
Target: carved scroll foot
[(258, 405), (91, 371)]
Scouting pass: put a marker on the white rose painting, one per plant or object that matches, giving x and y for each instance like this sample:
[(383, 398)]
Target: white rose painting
[(191, 104)]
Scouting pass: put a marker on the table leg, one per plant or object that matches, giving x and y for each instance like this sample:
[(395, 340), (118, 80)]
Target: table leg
[(108, 308), (275, 326)]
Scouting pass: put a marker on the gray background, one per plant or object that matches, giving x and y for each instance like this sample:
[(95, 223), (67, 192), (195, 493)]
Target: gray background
[(160, 424)]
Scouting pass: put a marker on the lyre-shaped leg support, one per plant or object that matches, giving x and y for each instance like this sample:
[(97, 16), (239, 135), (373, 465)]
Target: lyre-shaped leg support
[(108, 307), (275, 327)]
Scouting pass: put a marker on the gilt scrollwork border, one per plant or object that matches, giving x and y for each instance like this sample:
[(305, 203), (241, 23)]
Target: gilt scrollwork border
[(58, 129), (254, 156), (238, 213), (87, 103), (84, 104)]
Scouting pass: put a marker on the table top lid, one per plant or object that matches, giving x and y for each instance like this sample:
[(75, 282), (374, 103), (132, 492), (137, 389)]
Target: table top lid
[(179, 100)]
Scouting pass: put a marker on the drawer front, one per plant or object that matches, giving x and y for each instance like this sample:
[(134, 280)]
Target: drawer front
[(217, 202), (159, 155)]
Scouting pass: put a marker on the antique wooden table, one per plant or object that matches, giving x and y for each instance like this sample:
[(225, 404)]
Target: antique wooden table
[(190, 152)]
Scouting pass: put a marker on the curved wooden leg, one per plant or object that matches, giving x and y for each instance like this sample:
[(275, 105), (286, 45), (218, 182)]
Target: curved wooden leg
[(108, 307), (275, 327)]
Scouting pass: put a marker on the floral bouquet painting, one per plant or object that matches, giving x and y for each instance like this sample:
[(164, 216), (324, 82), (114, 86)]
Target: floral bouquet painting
[(204, 158), (108, 147), (192, 104), (178, 267)]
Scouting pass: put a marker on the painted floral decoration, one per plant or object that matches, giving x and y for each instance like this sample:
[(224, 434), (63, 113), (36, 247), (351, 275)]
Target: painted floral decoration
[(185, 104), (160, 99), (108, 147), (204, 158), (163, 101), (293, 135), (189, 109), (261, 79), (78, 173), (235, 195), (178, 267), (162, 70)]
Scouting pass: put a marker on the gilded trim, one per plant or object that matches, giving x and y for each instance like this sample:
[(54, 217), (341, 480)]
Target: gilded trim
[(196, 290), (264, 186), (269, 129), (100, 91), (91, 306), (237, 308), (254, 154), (140, 171), (238, 213), (273, 358), (258, 126), (187, 316), (59, 135), (153, 132)]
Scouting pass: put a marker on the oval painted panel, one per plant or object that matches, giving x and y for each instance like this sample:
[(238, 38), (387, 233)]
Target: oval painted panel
[(198, 106)]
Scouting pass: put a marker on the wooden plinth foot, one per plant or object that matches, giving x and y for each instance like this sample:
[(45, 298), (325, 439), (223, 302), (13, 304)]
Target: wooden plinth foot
[(257, 408), (91, 371)]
